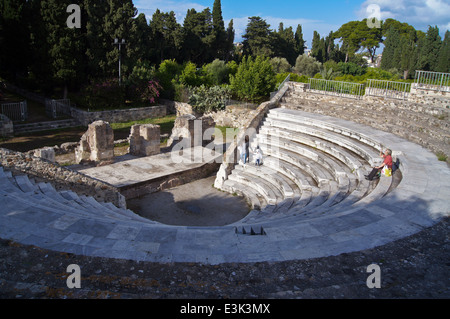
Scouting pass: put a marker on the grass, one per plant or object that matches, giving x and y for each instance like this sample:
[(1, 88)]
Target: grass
[(166, 123), (441, 156)]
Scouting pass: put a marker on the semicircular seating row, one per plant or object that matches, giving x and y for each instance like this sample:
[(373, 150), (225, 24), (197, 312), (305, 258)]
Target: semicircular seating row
[(310, 166)]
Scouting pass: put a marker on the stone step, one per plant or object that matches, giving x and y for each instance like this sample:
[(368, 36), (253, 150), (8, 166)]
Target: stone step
[(256, 202), (316, 170), (271, 194), (287, 187), (44, 126), (287, 127), (317, 120)]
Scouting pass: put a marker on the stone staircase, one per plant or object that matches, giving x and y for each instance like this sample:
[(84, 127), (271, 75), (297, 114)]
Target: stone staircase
[(44, 126), (310, 166)]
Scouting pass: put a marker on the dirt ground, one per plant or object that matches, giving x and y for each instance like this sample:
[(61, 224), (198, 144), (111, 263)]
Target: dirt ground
[(413, 267)]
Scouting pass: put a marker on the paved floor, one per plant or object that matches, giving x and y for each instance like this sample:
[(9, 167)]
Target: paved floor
[(194, 204), (130, 170)]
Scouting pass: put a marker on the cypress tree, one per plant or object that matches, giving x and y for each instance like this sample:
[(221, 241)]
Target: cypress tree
[(219, 45), (430, 50), (444, 55), (299, 42)]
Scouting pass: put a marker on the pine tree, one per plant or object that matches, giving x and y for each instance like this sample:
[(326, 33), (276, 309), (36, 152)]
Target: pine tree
[(198, 37), (258, 38)]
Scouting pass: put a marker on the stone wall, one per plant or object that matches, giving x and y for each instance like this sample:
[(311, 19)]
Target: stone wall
[(118, 116), (60, 177), (6, 126)]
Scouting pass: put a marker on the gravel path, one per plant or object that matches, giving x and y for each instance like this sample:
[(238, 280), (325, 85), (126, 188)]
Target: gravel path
[(414, 267)]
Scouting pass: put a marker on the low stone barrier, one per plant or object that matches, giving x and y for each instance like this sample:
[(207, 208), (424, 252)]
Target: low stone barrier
[(60, 177)]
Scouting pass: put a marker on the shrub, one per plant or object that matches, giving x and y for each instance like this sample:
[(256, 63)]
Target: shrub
[(306, 65), (209, 99), (254, 79)]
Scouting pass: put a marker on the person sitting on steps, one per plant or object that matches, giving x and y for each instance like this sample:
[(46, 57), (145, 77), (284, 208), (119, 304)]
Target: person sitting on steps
[(387, 156)]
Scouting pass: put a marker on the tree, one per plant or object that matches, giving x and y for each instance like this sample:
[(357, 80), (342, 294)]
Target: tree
[(299, 42), (230, 41), (351, 41), (198, 37), (430, 50), (284, 45), (219, 43), (306, 65), (318, 50), (165, 36), (66, 46), (14, 38), (254, 79), (370, 38), (444, 55), (258, 38), (391, 44)]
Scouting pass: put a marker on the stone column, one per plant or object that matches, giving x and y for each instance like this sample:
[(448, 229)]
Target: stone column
[(97, 144), (145, 140)]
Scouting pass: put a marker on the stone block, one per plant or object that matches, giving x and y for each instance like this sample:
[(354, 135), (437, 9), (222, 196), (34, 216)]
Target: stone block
[(47, 153), (191, 130), (97, 144), (145, 140)]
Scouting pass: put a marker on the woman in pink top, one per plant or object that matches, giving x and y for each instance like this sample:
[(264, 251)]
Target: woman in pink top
[(387, 155)]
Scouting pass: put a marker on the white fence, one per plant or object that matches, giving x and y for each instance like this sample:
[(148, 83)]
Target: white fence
[(15, 111), (388, 89), (434, 81), (336, 88), (57, 108)]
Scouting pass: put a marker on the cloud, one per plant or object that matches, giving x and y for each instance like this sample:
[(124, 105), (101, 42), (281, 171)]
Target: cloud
[(418, 13)]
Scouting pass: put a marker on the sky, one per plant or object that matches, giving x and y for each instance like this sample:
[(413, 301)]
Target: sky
[(322, 16)]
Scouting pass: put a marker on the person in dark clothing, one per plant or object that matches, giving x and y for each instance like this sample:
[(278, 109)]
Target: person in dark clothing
[(387, 156), (247, 149)]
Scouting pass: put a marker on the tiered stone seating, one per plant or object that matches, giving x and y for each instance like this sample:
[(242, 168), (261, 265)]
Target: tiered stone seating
[(309, 199), (310, 166)]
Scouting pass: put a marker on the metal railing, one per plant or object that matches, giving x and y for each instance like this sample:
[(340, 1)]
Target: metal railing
[(434, 81), (16, 111), (388, 89), (336, 88), (58, 108)]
